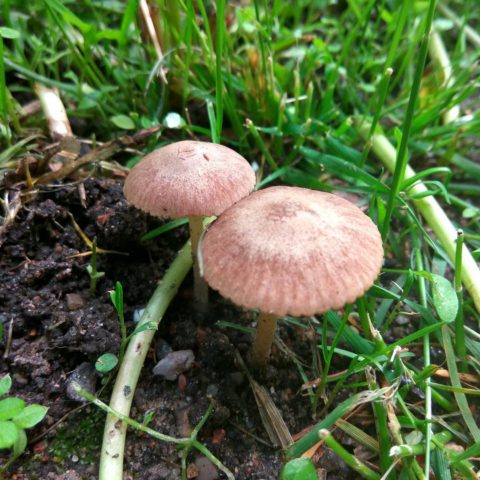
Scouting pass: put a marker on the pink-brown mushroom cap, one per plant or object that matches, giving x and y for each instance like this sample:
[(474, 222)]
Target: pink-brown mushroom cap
[(288, 250), (189, 178)]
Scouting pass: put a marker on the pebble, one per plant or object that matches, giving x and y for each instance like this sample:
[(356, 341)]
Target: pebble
[(206, 469), (137, 314), (86, 377), (174, 363), (74, 301)]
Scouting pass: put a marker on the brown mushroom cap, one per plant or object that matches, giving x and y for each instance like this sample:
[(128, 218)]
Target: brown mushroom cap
[(288, 250), (189, 178)]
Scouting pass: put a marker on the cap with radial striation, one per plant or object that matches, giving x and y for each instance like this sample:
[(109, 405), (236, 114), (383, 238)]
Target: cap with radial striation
[(289, 250), (189, 178)]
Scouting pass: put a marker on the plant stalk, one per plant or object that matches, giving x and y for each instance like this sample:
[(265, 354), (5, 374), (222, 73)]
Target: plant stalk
[(440, 57), (266, 325), (459, 320), (347, 457), (111, 456), (200, 287)]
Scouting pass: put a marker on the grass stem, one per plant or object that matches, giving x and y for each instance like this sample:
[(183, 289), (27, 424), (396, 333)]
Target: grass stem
[(220, 40), (402, 156), (459, 320), (440, 58), (347, 457)]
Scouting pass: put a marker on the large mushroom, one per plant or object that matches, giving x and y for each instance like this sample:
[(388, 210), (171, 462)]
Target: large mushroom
[(190, 179), (290, 251)]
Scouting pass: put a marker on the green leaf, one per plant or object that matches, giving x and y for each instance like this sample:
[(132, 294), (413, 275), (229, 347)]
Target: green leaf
[(106, 362), (8, 434), (445, 298), (69, 16), (116, 296), (122, 121), (20, 445), (440, 465), (470, 212), (9, 407), (30, 416), (95, 275), (5, 384), (6, 32), (340, 167), (299, 469)]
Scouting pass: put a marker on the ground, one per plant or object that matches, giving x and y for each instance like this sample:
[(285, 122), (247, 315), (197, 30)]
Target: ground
[(53, 325)]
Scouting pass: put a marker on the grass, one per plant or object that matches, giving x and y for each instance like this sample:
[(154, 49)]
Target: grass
[(290, 88)]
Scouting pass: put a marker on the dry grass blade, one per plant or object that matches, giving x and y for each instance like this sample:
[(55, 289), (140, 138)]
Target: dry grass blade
[(358, 434), (152, 33), (99, 154), (89, 242), (271, 417), (11, 207)]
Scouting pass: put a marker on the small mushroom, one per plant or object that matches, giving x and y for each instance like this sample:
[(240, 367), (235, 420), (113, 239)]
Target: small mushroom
[(290, 251), (190, 179)]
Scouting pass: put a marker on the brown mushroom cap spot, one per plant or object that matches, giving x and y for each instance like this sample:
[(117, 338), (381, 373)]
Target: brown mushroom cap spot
[(288, 250), (189, 178)]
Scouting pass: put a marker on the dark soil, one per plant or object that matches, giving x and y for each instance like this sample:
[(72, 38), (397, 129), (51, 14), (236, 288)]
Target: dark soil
[(55, 325)]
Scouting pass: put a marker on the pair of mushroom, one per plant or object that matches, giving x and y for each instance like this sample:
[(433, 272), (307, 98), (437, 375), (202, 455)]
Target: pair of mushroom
[(281, 250)]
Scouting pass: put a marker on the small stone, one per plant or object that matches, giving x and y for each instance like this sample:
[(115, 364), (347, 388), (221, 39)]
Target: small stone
[(192, 471), (86, 377), (206, 469), (218, 436), (402, 320), (137, 314), (74, 301), (39, 447), (174, 364)]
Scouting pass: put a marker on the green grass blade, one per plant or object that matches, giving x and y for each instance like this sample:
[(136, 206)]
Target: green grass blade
[(402, 157)]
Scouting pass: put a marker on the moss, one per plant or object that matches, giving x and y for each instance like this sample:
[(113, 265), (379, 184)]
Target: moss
[(80, 437)]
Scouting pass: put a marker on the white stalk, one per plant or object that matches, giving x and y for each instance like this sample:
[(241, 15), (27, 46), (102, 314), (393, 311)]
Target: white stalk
[(111, 456), (440, 58), (54, 111)]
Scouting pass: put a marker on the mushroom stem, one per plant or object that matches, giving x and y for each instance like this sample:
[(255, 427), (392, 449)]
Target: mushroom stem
[(200, 287), (266, 325)]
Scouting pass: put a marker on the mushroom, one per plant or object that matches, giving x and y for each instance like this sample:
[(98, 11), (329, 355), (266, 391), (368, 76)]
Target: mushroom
[(290, 251), (190, 179)]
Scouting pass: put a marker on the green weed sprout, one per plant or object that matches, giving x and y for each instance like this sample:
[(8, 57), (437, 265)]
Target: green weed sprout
[(94, 274), (108, 361), (15, 418)]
